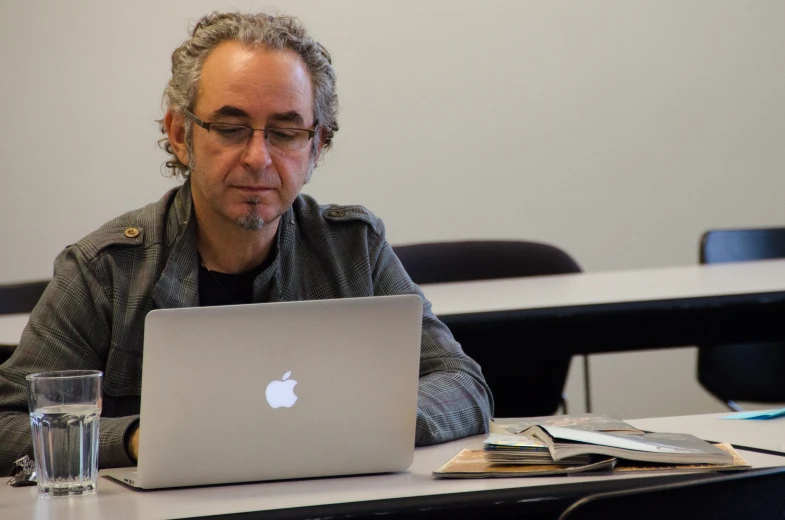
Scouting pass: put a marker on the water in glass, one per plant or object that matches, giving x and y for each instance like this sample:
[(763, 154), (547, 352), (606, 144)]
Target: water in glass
[(65, 441)]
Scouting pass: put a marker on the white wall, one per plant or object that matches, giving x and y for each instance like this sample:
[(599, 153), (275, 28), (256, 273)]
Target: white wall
[(618, 130)]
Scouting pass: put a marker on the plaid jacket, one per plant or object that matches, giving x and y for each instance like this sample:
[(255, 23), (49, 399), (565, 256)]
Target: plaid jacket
[(91, 316)]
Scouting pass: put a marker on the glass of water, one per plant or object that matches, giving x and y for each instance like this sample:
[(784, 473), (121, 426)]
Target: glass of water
[(65, 410)]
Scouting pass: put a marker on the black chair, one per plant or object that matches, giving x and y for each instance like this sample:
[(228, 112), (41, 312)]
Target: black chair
[(526, 380), (18, 298), (751, 371), (759, 495)]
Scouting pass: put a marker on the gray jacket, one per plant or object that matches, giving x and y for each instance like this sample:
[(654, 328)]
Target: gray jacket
[(91, 316)]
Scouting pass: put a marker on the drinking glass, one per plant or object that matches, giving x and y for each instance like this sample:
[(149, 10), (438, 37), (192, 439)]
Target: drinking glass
[(65, 410)]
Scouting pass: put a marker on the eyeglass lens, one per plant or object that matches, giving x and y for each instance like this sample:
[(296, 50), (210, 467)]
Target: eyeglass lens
[(281, 138)]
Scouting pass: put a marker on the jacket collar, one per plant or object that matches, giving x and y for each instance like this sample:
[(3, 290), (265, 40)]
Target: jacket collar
[(179, 213), (287, 268), (178, 285)]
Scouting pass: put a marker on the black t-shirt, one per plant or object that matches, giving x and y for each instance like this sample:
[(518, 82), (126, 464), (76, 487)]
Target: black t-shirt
[(216, 288)]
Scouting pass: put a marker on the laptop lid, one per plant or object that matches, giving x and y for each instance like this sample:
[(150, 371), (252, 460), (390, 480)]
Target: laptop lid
[(279, 390)]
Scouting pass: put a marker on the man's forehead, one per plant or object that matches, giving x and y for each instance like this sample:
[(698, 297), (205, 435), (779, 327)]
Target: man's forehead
[(253, 78)]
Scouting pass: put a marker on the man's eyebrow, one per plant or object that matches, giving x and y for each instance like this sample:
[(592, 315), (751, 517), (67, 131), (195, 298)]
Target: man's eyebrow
[(229, 111), (288, 117), (291, 116)]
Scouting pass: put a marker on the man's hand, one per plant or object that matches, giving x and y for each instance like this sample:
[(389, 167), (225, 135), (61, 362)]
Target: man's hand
[(133, 445)]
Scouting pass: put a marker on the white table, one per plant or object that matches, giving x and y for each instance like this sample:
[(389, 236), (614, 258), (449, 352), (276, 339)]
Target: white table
[(414, 489), (589, 289), (695, 291), (766, 434), (11, 327), (626, 310)]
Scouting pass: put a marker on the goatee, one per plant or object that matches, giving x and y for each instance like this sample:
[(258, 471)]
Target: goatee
[(251, 221)]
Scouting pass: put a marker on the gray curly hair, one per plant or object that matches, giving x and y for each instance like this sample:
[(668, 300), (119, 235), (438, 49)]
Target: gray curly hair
[(268, 31)]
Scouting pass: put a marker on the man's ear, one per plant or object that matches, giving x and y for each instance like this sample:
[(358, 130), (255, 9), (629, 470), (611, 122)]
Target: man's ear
[(319, 147), (175, 130)]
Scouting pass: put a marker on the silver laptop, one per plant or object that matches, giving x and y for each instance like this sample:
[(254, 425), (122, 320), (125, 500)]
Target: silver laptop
[(277, 391)]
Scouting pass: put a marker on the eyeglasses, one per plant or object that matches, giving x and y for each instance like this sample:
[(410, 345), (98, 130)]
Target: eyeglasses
[(227, 134)]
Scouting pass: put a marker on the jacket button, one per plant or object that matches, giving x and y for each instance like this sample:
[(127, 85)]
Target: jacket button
[(131, 232), (336, 213)]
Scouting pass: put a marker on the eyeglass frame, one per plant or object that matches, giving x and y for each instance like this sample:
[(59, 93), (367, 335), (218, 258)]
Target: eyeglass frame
[(207, 124)]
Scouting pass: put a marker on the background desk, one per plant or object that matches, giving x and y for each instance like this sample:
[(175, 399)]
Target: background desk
[(11, 327), (404, 494), (610, 311), (762, 434), (627, 310)]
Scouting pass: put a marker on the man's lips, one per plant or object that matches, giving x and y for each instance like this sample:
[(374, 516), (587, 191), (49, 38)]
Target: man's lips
[(253, 189)]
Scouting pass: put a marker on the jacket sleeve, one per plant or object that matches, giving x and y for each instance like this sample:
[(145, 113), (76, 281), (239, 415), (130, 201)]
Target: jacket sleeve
[(67, 331), (453, 399)]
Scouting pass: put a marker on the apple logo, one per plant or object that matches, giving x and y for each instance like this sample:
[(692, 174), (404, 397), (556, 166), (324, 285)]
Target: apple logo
[(281, 393)]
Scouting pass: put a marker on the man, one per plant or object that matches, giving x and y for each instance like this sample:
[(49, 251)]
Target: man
[(251, 106)]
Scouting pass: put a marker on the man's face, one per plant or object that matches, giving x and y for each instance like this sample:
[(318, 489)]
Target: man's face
[(251, 183)]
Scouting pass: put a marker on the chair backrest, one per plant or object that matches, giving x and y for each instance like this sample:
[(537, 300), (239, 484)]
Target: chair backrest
[(526, 380), (750, 371), (440, 262), (724, 496), (739, 245), (20, 298)]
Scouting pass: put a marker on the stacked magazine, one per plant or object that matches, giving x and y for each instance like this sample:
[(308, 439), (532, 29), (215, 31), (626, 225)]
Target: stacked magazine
[(586, 443)]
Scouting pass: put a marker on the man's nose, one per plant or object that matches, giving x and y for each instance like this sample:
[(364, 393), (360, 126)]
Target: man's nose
[(257, 152)]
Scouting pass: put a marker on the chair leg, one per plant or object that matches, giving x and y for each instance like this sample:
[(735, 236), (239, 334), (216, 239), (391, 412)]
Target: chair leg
[(586, 383)]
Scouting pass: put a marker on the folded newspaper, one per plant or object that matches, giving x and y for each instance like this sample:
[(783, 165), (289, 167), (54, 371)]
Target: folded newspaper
[(666, 448), (565, 445), (472, 464), (583, 421)]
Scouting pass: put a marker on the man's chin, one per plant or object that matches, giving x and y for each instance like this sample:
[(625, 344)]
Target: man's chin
[(251, 222)]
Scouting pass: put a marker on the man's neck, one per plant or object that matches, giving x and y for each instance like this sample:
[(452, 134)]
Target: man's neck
[(230, 249)]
